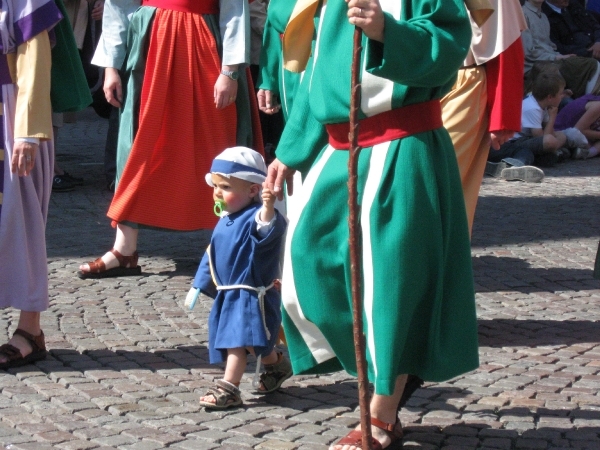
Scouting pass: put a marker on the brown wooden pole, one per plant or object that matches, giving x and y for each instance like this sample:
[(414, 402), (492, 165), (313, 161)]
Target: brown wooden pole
[(355, 246)]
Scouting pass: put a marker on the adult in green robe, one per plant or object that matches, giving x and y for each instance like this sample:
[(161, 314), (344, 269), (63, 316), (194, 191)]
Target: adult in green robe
[(418, 295)]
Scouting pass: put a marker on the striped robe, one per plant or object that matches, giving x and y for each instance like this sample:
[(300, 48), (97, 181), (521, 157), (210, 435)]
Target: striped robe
[(419, 309)]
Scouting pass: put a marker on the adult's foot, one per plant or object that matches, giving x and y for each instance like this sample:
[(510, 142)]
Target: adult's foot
[(19, 342), (112, 264), (109, 259), (387, 439)]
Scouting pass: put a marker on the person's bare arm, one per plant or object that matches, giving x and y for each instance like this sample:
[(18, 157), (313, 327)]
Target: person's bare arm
[(552, 112), (591, 115)]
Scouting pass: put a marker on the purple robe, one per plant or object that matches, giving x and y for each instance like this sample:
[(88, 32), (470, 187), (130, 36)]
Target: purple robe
[(23, 200)]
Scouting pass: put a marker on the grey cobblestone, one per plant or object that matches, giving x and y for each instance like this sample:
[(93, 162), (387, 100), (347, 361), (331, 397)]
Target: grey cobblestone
[(127, 361)]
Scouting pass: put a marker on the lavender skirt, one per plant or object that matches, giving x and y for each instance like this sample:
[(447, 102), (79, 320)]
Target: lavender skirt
[(23, 214)]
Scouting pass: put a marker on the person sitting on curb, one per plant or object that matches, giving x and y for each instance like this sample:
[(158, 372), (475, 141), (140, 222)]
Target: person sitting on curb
[(584, 115), (573, 29), (514, 159), (580, 73)]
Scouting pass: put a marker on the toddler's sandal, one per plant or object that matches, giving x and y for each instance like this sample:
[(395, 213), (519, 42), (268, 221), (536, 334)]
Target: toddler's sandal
[(226, 395), (274, 375)]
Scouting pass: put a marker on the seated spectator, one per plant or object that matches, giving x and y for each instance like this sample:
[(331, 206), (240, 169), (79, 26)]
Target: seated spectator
[(573, 29), (580, 73), (583, 114), (514, 159)]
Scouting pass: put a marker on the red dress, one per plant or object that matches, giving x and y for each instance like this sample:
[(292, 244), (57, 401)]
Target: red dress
[(180, 130)]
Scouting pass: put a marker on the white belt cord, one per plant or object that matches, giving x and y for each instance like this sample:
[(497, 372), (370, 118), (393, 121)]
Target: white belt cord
[(261, 303), (261, 299)]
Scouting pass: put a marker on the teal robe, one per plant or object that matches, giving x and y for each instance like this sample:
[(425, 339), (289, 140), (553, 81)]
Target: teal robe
[(419, 303)]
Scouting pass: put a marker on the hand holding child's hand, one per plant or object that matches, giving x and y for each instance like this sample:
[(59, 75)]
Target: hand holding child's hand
[(268, 210)]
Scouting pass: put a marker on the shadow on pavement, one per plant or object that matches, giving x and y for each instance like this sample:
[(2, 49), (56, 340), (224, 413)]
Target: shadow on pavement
[(501, 273), (534, 219), (536, 333)]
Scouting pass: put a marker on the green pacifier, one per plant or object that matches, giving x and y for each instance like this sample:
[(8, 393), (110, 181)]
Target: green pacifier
[(219, 207)]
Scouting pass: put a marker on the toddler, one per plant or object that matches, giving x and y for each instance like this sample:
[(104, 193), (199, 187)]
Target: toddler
[(238, 270)]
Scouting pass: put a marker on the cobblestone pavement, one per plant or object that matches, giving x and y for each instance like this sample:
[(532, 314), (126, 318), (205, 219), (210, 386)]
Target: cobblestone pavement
[(128, 362)]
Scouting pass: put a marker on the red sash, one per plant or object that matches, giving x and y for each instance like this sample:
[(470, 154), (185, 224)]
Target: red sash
[(190, 6), (389, 125)]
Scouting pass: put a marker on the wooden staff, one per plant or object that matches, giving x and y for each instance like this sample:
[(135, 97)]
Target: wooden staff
[(355, 247)]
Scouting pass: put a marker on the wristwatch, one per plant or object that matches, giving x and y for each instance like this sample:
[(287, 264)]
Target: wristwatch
[(233, 74)]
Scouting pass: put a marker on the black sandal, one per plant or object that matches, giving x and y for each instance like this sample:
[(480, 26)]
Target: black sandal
[(14, 356), (275, 374), (226, 394)]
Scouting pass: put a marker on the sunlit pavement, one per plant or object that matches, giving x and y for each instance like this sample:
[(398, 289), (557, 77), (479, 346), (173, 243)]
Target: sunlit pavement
[(128, 362)]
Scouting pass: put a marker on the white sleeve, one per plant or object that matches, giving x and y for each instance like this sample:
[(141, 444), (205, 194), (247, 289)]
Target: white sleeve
[(112, 46), (532, 118), (262, 228), (31, 140), (234, 23)]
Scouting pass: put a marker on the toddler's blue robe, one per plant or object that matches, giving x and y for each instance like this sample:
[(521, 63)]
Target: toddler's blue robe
[(240, 256)]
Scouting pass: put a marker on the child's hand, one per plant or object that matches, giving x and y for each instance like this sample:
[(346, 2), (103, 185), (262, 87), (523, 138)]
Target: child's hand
[(268, 197), (552, 111), (268, 210)]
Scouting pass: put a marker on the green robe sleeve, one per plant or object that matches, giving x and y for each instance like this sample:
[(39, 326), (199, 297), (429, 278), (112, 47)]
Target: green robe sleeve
[(425, 50), (304, 137), (270, 59)]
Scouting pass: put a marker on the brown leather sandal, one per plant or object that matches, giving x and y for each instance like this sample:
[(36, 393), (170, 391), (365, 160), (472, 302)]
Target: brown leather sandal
[(127, 267), (354, 438), (14, 356)]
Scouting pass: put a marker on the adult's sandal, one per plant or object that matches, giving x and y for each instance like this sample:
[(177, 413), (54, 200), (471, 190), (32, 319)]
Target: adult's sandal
[(128, 266), (393, 430), (226, 395), (14, 357)]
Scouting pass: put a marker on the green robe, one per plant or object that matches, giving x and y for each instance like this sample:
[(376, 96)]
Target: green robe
[(419, 303), (70, 91), (273, 77)]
